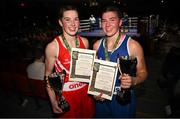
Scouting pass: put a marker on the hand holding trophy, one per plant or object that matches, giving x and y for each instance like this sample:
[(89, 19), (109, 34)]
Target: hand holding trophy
[(56, 81), (127, 65)]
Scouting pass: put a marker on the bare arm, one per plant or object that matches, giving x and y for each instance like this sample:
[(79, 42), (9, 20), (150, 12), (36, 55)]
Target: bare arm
[(50, 53), (135, 50)]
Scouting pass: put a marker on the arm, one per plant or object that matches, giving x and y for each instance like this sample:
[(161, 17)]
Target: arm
[(135, 50), (50, 53), (141, 73)]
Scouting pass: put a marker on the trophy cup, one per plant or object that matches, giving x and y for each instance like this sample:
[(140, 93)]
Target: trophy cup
[(56, 81), (126, 64)]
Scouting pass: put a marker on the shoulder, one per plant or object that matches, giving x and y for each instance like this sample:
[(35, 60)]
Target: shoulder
[(133, 43), (134, 46), (51, 47), (97, 44), (29, 67), (85, 41)]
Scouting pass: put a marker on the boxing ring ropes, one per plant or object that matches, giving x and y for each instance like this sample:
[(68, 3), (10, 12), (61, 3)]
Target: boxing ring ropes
[(130, 28)]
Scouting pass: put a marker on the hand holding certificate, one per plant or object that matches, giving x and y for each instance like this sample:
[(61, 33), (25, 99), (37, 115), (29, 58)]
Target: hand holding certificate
[(81, 64), (103, 78)]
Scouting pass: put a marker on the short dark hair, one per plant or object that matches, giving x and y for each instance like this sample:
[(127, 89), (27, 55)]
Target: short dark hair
[(66, 8), (112, 8)]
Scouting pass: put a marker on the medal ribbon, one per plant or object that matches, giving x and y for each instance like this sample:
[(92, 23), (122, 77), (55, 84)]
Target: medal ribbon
[(106, 48), (67, 45)]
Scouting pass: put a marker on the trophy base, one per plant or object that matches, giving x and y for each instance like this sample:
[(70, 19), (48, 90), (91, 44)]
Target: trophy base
[(123, 96), (63, 104)]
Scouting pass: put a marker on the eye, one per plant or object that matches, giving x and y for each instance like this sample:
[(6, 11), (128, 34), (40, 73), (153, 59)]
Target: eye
[(67, 19), (113, 19), (103, 21), (76, 19)]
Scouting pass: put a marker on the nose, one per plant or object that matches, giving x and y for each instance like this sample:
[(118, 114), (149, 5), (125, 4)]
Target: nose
[(108, 23), (72, 22)]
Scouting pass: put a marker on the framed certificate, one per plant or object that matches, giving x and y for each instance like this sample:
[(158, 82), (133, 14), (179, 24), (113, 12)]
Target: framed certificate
[(81, 64), (103, 78)]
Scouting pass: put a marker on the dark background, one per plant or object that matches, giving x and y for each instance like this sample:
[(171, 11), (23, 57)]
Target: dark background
[(23, 24), (16, 10)]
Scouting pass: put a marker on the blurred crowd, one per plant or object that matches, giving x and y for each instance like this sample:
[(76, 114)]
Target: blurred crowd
[(18, 40)]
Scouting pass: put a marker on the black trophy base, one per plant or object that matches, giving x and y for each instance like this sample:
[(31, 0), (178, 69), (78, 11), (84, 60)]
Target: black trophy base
[(123, 96), (63, 104)]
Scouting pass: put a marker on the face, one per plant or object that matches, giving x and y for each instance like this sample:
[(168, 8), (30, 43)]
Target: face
[(111, 23), (70, 22)]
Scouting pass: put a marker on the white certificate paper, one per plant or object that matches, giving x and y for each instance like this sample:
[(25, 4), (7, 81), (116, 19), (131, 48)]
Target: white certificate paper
[(103, 78), (81, 64)]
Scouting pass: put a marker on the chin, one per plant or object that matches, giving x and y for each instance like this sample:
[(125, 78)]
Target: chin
[(72, 34), (109, 34)]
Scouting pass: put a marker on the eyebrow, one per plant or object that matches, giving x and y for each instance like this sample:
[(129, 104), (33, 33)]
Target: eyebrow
[(69, 17), (111, 18), (66, 17)]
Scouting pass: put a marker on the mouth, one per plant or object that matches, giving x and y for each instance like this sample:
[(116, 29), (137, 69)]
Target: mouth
[(72, 29), (108, 29)]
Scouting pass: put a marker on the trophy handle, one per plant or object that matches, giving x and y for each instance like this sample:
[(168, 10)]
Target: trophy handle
[(118, 62)]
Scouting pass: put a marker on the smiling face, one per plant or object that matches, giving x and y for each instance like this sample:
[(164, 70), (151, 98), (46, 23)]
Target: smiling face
[(111, 23), (70, 22)]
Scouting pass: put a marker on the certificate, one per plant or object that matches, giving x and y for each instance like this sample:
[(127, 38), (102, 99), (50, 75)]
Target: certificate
[(81, 64), (103, 78)]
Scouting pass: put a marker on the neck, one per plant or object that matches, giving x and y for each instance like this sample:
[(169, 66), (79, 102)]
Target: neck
[(72, 41), (112, 38), (69, 37), (112, 42)]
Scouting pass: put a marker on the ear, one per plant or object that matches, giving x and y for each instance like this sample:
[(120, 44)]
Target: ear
[(120, 22), (60, 22)]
